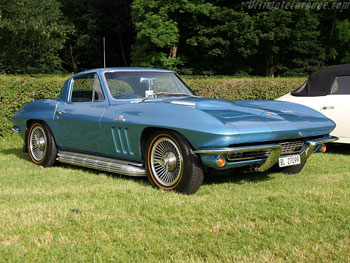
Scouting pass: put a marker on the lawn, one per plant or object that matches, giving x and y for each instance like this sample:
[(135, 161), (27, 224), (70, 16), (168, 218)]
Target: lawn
[(66, 213)]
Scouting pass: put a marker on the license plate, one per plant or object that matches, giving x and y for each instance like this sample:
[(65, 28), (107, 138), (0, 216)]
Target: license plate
[(289, 160)]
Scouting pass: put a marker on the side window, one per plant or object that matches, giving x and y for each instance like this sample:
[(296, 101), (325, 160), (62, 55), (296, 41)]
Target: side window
[(341, 85), (87, 88)]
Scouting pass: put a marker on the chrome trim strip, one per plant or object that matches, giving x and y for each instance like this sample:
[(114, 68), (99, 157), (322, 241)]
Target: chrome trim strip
[(244, 159), (238, 149), (310, 146), (276, 150), (272, 159), (185, 103), (102, 163), (322, 140), (15, 129)]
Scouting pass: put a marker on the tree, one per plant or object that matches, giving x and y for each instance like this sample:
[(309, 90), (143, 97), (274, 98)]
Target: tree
[(194, 34), (273, 31), (343, 41), (93, 20), (222, 39), (156, 24), (114, 23), (32, 34), (303, 51), (80, 50)]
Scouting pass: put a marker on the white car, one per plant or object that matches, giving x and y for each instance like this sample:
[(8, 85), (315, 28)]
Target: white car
[(328, 91)]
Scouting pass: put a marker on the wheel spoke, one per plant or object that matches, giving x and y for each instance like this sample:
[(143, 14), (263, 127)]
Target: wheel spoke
[(37, 143), (166, 161)]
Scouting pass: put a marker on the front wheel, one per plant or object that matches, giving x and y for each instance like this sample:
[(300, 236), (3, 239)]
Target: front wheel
[(41, 144), (171, 164)]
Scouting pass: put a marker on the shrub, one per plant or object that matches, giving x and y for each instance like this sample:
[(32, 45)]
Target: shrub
[(15, 91), (243, 88)]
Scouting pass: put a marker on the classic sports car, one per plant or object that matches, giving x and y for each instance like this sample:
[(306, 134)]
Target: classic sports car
[(138, 121), (328, 91)]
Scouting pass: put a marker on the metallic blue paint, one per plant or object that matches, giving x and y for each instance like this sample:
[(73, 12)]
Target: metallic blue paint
[(94, 127)]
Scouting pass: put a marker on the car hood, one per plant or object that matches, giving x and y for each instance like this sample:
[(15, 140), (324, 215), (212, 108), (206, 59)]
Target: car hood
[(272, 120)]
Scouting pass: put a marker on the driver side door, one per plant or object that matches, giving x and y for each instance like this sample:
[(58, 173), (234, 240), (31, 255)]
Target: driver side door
[(78, 120)]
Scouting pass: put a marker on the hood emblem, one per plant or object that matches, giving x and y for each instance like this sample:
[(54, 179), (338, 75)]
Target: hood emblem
[(120, 118), (270, 113)]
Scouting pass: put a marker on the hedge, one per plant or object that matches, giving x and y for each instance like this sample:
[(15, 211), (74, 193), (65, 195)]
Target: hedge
[(15, 91)]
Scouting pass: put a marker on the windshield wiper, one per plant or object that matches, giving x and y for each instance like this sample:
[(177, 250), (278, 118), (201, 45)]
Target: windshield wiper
[(163, 93)]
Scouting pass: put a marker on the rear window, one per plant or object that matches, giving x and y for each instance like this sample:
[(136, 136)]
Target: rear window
[(341, 85), (302, 91)]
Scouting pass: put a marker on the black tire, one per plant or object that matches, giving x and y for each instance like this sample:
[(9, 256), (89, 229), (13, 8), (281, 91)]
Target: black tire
[(41, 144), (293, 169), (171, 164)]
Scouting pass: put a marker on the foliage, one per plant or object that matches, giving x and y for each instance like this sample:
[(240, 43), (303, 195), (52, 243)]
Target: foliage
[(79, 50), (31, 33), (244, 88), (304, 52), (72, 214), (156, 24), (198, 37), (93, 20), (220, 42), (343, 40), (16, 91)]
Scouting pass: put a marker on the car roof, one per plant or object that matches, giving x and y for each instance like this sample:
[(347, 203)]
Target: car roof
[(123, 69), (320, 82)]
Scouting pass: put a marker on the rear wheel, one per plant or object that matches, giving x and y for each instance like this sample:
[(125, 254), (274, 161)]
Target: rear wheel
[(41, 144), (171, 164)]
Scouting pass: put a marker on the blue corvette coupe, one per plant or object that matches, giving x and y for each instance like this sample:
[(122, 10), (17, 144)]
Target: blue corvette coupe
[(139, 121)]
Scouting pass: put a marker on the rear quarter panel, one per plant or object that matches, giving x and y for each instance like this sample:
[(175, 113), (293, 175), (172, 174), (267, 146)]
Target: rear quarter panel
[(43, 110)]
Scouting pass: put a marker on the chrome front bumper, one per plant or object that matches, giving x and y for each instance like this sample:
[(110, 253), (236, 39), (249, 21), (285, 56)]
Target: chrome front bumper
[(276, 150)]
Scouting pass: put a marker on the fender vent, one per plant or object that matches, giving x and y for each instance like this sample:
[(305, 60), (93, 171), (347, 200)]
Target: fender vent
[(121, 141)]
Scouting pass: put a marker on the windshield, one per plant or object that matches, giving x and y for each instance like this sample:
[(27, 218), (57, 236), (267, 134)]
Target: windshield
[(145, 84)]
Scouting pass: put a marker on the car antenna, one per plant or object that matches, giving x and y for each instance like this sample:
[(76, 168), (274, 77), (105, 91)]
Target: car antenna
[(104, 52)]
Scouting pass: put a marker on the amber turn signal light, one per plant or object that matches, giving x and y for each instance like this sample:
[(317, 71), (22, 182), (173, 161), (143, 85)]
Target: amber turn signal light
[(323, 148), (220, 161)]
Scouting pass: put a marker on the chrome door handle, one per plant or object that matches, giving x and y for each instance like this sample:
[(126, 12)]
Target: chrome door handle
[(327, 107), (59, 112)]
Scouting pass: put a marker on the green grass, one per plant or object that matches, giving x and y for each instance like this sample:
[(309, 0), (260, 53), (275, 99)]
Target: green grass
[(65, 214)]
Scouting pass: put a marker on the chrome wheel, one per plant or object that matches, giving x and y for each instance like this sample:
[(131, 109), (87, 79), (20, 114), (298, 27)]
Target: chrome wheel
[(166, 162), (38, 143)]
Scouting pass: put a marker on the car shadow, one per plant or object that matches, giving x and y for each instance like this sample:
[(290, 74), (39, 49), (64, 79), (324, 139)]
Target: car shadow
[(17, 152), (237, 176), (338, 148)]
